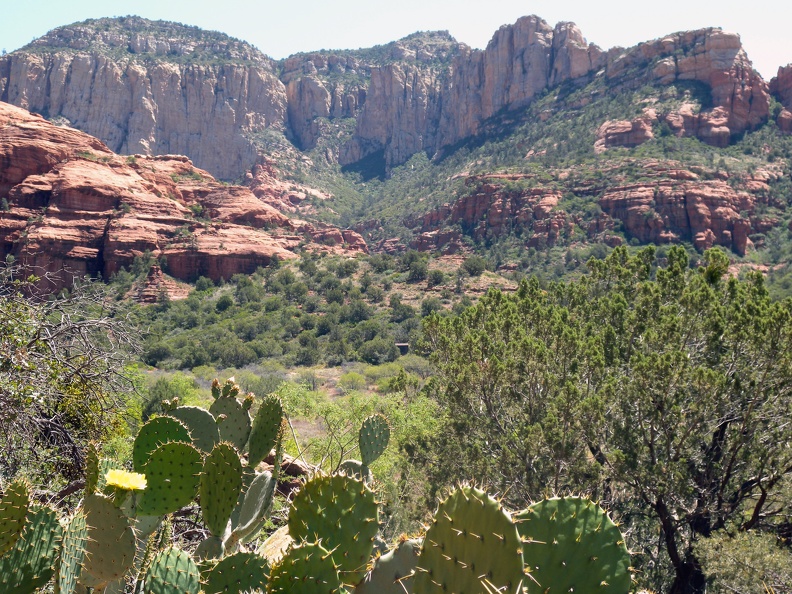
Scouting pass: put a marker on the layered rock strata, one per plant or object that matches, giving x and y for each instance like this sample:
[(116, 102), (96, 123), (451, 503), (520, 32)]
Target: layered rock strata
[(68, 202), (673, 205), (159, 88)]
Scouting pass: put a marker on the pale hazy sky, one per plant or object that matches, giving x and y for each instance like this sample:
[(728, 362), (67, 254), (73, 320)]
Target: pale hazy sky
[(281, 28)]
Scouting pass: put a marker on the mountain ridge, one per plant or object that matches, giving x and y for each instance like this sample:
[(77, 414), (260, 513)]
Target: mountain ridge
[(422, 93)]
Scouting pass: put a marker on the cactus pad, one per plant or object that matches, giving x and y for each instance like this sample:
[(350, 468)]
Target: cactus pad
[(91, 469), (241, 572), (276, 545), (72, 553), (153, 434), (356, 469), (13, 510), (341, 512), (30, 562), (572, 545), (202, 426), (233, 421), (471, 547), (211, 548), (393, 572), (265, 429), (173, 572), (373, 438), (110, 548), (255, 506), (173, 472), (221, 483), (306, 568)]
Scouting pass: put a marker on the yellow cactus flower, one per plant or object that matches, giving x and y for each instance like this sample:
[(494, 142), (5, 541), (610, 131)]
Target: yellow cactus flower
[(130, 481)]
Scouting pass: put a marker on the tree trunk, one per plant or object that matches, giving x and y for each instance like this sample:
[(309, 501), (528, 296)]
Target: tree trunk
[(689, 578)]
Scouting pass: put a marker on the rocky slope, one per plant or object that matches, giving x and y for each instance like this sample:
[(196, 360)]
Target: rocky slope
[(159, 88), (70, 202), (669, 203)]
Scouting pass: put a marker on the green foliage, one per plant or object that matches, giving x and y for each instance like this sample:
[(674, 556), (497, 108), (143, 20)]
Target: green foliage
[(749, 562), (474, 265), (670, 382), (63, 367)]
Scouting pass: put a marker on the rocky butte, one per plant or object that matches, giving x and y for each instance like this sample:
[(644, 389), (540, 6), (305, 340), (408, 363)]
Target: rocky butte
[(71, 203), (154, 88)]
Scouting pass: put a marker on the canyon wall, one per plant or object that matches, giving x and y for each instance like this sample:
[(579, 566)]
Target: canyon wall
[(161, 88)]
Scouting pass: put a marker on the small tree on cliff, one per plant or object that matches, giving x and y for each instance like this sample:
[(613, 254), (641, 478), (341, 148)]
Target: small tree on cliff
[(667, 392)]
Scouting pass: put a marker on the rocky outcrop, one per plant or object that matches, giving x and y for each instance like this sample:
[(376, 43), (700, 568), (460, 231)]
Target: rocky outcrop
[(142, 87), (674, 204), (706, 213), (488, 209), (740, 99), (71, 203), (624, 133), (401, 114), (411, 108), (781, 88), (161, 88)]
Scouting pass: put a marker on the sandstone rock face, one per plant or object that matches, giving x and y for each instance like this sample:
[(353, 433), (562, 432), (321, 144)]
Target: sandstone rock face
[(489, 209), (158, 105), (676, 205), (623, 133), (525, 59), (708, 213), (161, 88), (781, 88), (711, 56), (75, 204)]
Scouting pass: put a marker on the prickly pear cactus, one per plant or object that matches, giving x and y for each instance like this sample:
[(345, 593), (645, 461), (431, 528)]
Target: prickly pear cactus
[(307, 568), (276, 545), (265, 429), (373, 438), (342, 513), (472, 547), (201, 424), (173, 572), (211, 548), (221, 483), (91, 469), (571, 545), (393, 572), (233, 421), (255, 507), (241, 572), (173, 473), (30, 563), (356, 469), (13, 509), (72, 553), (155, 433), (110, 548)]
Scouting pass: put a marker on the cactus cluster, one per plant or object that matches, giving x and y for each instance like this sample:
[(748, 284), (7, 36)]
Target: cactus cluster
[(120, 538)]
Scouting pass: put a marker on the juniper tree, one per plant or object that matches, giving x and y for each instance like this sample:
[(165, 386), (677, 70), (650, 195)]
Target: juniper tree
[(665, 390)]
